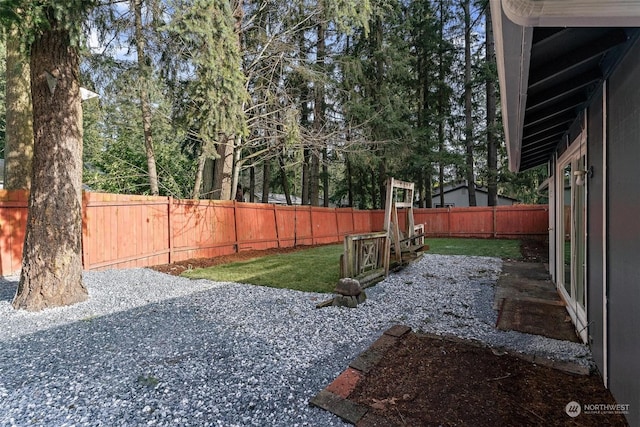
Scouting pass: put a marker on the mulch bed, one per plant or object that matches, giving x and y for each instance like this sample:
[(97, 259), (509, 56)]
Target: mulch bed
[(177, 268), (431, 381)]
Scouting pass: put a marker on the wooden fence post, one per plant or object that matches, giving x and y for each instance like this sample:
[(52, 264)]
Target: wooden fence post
[(170, 228), (275, 221), (495, 222), (236, 245), (85, 234)]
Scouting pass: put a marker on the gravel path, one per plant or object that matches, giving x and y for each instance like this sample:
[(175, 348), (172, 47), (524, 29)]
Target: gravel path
[(153, 349)]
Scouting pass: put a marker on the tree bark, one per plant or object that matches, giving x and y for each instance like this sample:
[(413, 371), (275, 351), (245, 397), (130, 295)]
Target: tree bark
[(197, 185), (145, 105), (18, 150), (284, 181), (441, 106), (319, 108), (468, 128), (252, 184), (492, 145), (325, 177), (266, 180), (223, 170), (349, 182), (208, 172), (52, 256)]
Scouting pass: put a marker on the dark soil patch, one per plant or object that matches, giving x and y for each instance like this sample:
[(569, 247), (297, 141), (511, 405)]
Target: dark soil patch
[(426, 381), (177, 268), (534, 250)]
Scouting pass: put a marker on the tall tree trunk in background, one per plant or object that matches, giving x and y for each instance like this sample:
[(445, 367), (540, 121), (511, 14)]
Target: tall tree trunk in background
[(145, 105), (468, 118), (266, 181), (252, 184), (197, 185), (314, 179), (306, 167), (492, 144), (377, 38), (349, 181), (223, 170), (424, 191), (427, 195), (305, 112), (382, 183), (441, 106), (319, 108), (208, 172), (18, 150), (284, 180), (325, 177), (373, 187), (52, 256)]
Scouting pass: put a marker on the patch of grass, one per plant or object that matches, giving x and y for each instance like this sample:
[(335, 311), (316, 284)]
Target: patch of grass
[(318, 269), (312, 270), (148, 380), (475, 247)]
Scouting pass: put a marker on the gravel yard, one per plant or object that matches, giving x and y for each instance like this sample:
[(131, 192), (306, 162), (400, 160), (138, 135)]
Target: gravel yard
[(153, 349)]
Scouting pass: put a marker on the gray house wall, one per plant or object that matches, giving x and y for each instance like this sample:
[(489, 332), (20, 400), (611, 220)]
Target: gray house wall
[(623, 241), (595, 235)]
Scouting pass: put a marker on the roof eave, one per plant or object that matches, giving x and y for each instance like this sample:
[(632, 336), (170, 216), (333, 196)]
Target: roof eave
[(513, 22), (573, 13), (513, 49)]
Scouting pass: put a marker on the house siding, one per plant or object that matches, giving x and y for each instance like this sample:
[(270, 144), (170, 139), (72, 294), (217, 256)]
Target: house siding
[(595, 231), (459, 198), (623, 213)]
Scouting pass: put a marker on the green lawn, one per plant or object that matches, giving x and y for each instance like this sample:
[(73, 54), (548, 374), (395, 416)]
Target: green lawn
[(313, 270), (476, 247), (318, 269)]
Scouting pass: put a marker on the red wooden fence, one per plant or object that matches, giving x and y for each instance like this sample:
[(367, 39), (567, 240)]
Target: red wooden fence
[(122, 231)]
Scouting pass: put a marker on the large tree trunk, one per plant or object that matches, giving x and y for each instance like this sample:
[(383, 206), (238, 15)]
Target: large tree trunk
[(468, 127), (197, 185), (145, 104), (207, 177), (223, 171), (492, 145), (52, 257), (18, 150)]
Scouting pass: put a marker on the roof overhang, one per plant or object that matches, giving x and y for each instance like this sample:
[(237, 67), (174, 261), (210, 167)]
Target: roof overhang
[(551, 56)]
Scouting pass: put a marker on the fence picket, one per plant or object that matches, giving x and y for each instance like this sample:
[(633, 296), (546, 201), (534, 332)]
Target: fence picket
[(126, 230)]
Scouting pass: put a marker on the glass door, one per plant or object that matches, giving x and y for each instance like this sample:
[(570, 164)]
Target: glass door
[(571, 244)]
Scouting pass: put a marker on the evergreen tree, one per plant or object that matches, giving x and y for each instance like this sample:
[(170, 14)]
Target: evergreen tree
[(214, 82), (52, 256)]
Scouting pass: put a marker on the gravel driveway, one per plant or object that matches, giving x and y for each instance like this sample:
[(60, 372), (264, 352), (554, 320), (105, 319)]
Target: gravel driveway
[(154, 349)]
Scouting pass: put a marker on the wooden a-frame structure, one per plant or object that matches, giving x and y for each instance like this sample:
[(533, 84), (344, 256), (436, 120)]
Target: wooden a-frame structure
[(400, 195)]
